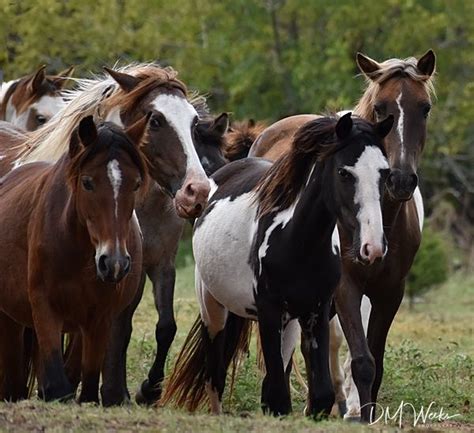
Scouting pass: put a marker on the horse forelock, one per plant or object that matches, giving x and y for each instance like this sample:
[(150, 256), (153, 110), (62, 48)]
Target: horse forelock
[(391, 69)]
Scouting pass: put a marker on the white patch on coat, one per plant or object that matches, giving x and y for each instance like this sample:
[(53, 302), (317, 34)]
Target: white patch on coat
[(336, 242), (420, 210), (114, 117), (222, 245), (280, 219), (400, 125), (213, 188), (115, 177), (180, 114), (4, 88), (2, 157), (366, 172)]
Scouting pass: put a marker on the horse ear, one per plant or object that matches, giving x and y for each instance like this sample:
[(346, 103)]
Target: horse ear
[(221, 124), (60, 80), (427, 63), (87, 131), (37, 79), (137, 131), (344, 126), (125, 81), (367, 66), (384, 127)]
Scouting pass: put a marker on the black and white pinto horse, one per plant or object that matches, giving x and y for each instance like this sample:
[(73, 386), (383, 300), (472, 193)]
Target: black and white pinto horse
[(264, 251)]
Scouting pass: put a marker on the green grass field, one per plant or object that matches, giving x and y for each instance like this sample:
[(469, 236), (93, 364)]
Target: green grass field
[(429, 359)]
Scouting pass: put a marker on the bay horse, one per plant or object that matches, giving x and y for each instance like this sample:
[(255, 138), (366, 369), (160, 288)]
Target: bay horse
[(401, 88), (71, 256), (29, 102), (262, 245)]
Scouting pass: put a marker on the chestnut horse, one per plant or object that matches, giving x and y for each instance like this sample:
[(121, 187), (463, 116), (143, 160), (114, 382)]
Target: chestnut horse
[(71, 255), (240, 138), (264, 239), (403, 89), (31, 101)]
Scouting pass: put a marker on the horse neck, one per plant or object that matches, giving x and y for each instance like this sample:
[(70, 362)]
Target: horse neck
[(313, 222)]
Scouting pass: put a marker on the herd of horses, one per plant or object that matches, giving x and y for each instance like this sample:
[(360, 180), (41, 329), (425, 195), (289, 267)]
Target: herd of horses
[(296, 227)]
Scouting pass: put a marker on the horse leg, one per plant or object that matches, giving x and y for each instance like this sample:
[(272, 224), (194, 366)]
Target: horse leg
[(315, 348), (94, 344), (72, 359), (348, 299), (337, 373), (381, 318), (163, 279), (48, 327), (13, 380), (214, 315), (275, 393), (114, 389), (353, 403)]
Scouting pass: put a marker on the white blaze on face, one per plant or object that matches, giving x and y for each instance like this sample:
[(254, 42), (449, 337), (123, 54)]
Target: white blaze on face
[(366, 172), (400, 125), (46, 106), (180, 114), (115, 177)]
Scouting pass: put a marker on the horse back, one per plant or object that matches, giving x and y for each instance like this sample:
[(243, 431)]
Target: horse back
[(276, 140)]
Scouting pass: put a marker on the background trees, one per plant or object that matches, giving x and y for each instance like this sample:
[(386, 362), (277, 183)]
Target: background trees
[(270, 58)]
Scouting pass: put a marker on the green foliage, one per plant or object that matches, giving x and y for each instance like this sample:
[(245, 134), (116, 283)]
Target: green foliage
[(431, 264)]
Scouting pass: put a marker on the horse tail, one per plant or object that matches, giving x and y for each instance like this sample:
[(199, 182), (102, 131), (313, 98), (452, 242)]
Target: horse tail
[(185, 387)]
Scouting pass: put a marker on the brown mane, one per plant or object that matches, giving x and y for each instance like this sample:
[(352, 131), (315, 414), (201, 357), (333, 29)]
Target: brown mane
[(315, 141), (390, 69), (240, 138), (96, 97)]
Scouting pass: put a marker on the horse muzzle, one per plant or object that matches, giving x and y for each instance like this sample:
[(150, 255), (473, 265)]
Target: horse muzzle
[(112, 268), (401, 185), (191, 199)]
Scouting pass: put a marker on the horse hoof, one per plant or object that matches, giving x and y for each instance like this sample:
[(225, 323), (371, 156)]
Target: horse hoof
[(148, 394), (352, 418), (342, 408), (113, 398)]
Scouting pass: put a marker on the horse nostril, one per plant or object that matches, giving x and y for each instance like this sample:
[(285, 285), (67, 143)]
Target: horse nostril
[(413, 180), (126, 266), (103, 264), (198, 207), (190, 190), (365, 250)]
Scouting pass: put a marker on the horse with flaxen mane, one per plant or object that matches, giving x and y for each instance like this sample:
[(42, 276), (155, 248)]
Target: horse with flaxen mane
[(180, 183), (71, 256), (29, 102), (260, 245), (402, 88)]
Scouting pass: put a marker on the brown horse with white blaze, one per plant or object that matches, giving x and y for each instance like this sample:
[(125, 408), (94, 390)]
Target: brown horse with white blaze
[(72, 255), (401, 88), (29, 102)]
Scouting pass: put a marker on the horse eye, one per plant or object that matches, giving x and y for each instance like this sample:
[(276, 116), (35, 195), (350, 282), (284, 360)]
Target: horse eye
[(155, 122), (138, 185), (343, 173), (87, 183), (40, 119), (426, 110)]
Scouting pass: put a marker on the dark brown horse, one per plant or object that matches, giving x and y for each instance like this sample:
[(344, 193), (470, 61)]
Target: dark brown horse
[(29, 102), (71, 256), (401, 88)]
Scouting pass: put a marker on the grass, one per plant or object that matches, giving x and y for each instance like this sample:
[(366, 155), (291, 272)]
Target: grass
[(429, 359)]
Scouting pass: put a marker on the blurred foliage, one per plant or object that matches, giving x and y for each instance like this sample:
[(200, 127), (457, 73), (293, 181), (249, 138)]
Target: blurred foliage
[(431, 264), (269, 58)]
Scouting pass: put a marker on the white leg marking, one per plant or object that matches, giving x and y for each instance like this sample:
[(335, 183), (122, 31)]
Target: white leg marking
[(336, 338)]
